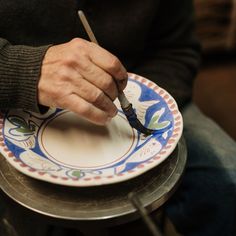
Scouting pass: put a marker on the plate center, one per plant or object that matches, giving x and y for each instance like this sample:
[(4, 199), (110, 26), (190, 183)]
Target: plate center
[(71, 141)]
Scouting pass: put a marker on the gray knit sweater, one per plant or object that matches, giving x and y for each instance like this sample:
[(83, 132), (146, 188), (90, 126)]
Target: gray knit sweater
[(153, 38)]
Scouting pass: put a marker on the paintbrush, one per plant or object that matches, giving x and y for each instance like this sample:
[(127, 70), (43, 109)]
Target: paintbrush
[(137, 204), (125, 104)]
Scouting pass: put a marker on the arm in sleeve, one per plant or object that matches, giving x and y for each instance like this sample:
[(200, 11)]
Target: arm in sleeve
[(172, 56), (20, 68)]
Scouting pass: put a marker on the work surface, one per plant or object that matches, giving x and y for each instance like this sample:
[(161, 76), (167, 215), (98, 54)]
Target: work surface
[(108, 204)]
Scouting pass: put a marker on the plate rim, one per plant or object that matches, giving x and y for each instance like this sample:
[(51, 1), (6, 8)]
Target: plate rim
[(105, 180)]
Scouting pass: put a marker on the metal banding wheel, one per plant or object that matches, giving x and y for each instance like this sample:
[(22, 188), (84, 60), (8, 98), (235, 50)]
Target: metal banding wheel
[(108, 204)]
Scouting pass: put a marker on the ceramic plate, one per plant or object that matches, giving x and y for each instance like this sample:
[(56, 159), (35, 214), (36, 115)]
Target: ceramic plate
[(61, 148)]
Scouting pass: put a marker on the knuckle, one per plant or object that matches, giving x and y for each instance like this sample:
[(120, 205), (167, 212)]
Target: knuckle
[(86, 67), (78, 41), (98, 97), (108, 83), (80, 47), (63, 74), (70, 60), (81, 44)]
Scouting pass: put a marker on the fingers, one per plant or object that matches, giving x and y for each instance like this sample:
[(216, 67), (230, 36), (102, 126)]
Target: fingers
[(111, 64), (98, 77), (67, 81), (93, 95), (105, 60), (84, 109), (82, 77)]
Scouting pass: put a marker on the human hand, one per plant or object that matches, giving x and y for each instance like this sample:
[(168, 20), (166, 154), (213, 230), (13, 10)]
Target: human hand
[(82, 77)]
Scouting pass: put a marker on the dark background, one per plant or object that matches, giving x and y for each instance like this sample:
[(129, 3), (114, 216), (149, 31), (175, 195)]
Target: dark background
[(215, 86)]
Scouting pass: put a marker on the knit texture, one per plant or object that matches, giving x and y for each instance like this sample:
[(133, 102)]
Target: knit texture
[(20, 68)]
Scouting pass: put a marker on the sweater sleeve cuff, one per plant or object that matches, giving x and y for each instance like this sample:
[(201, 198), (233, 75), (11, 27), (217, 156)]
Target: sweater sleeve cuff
[(20, 68)]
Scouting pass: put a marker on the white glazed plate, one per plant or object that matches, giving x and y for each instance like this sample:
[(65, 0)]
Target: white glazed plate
[(61, 148)]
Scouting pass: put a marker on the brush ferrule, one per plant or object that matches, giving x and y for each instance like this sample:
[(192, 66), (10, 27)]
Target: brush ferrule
[(123, 100)]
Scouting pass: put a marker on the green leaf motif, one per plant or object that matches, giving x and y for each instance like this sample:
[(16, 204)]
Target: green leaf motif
[(154, 123), (76, 173), (22, 125)]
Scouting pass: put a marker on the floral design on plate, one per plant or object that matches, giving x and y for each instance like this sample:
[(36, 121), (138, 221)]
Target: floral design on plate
[(61, 148)]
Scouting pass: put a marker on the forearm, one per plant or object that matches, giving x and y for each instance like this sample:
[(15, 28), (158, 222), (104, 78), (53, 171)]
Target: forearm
[(20, 68)]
